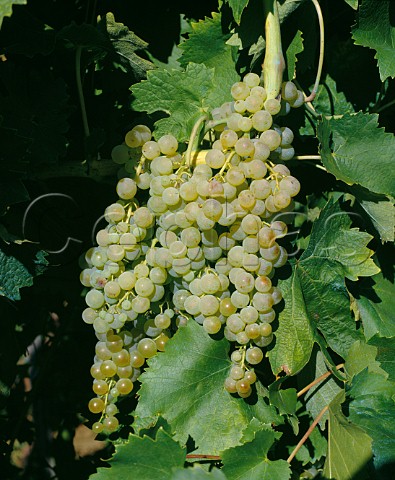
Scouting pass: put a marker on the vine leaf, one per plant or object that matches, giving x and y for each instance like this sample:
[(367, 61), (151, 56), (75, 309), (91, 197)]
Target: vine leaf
[(14, 275), (380, 210), (6, 8), (375, 29), (197, 473), (124, 45), (353, 4), (375, 306), (237, 7), (294, 335), (184, 96), (348, 145), (316, 297), (144, 458), (345, 437), (207, 44), (361, 356), (321, 394), (332, 238), (295, 47), (250, 460), (372, 408), (185, 385)]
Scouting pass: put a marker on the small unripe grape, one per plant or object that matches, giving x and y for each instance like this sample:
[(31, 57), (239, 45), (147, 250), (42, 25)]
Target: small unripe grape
[(136, 358), (168, 144), (114, 343), (239, 91), (161, 341), (108, 368), (236, 372), (110, 424), (124, 386), (97, 427), (230, 385), (121, 358), (147, 347), (265, 329), (254, 355), (242, 386), (96, 405), (250, 377), (100, 387)]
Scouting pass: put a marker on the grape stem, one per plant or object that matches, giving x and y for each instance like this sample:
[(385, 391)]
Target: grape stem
[(307, 434), (81, 98), (273, 64), (312, 95), (307, 157), (318, 380), (194, 134)]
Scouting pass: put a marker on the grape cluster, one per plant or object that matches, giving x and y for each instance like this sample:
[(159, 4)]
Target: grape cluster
[(203, 246)]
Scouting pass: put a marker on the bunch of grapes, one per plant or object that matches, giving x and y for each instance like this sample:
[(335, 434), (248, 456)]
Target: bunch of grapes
[(192, 241)]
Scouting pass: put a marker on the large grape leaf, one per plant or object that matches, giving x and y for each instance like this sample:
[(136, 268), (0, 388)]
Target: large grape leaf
[(185, 385), (324, 392), (372, 408), (250, 461), (375, 305), (349, 447), (295, 334), (6, 7), (379, 209), (316, 297), (375, 29), (185, 96), (356, 150), (353, 4), (206, 44), (143, 458)]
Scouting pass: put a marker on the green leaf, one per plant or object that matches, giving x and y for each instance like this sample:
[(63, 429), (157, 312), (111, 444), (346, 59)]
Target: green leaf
[(372, 408), (316, 297), (286, 7), (6, 7), (14, 275), (344, 438), (124, 45), (375, 304), (294, 335), (385, 354), (144, 459), (185, 385), (353, 4), (380, 210), (353, 146), (334, 240), (197, 473), (375, 29), (327, 102), (206, 44), (295, 47), (361, 356), (237, 7), (323, 393), (250, 461), (185, 96)]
